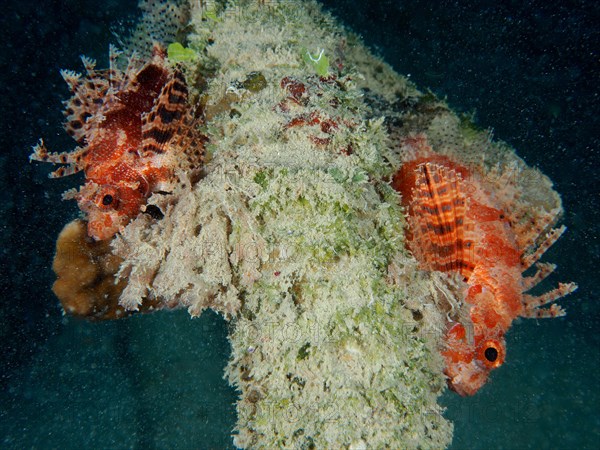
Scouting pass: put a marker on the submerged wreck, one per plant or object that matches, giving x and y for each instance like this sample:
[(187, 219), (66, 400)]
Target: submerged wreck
[(279, 213)]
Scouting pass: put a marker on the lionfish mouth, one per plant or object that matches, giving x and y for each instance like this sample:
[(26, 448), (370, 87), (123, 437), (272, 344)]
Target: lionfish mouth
[(466, 387), (457, 389)]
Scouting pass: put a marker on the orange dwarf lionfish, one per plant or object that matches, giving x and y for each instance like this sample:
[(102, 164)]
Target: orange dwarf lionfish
[(458, 226), (133, 130)]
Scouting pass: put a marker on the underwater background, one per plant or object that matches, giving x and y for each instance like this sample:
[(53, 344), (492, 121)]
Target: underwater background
[(530, 72)]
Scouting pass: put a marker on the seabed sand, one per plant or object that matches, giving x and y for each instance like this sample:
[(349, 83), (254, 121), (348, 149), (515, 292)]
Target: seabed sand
[(294, 234)]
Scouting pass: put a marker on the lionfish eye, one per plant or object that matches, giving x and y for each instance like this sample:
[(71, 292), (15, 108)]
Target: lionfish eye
[(107, 198), (491, 354)]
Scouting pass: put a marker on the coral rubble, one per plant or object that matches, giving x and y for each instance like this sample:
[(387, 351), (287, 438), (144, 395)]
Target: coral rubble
[(294, 233), (291, 234)]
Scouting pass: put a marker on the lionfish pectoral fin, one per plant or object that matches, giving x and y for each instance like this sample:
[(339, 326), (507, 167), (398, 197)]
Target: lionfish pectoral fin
[(92, 92), (549, 239), (72, 78), (442, 231), (71, 194), (531, 225), (543, 270), (72, 159), (40, 152), (532, 304), (64, 171), (548, 313), (527, 222)]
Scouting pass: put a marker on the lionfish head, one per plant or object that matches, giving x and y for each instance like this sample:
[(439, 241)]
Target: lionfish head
[(468, 364), (109, 207)]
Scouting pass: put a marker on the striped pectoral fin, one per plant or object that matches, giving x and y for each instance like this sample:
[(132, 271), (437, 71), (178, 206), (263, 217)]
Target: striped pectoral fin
[(40, 153), (64, 171), (547, 313), (90, 95), (441, 228), (529, 225), (113, 74), (72, 159), (163, 122), (543, 270), (549, 239), (532, 304)]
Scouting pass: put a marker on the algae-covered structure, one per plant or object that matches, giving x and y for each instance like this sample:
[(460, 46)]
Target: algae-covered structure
[(292, 231)]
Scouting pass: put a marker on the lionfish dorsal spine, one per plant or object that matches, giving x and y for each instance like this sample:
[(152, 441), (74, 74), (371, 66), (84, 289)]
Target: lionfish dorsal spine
[(167, 115)]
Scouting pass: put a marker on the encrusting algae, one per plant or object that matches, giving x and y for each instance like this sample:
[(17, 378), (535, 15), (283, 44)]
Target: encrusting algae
[(290, 228)]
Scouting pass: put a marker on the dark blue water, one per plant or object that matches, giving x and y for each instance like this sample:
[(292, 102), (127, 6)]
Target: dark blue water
[(529, 72)]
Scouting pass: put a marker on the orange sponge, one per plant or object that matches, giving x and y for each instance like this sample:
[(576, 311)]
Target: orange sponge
[(86, 275)]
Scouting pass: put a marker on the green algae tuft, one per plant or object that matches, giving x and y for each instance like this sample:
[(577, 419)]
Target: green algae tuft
[(177, 52)]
